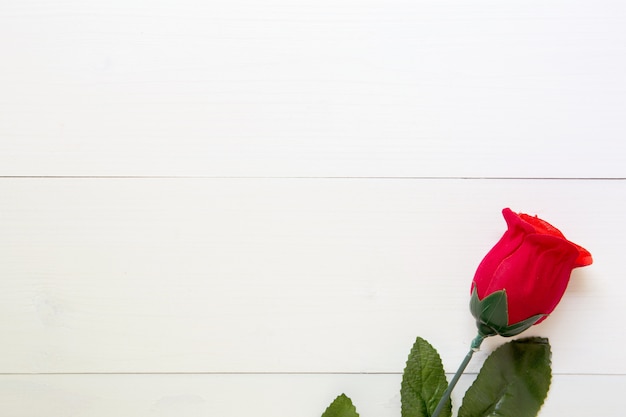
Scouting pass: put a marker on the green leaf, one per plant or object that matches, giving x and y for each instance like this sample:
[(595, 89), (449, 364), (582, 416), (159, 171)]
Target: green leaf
[(492, 310), (341, 407), (423, 382), (492, 315), (513, 381)]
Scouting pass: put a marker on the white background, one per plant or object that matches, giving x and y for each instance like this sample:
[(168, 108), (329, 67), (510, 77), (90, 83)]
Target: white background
[(233, 208)]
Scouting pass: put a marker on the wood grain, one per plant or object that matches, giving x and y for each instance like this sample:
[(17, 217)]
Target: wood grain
[(236, 207), (282, 275), (313, 88), (265, 395)]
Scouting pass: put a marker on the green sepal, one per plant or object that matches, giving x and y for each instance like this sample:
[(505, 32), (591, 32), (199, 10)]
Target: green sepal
[(423, 382), (513, 382), (341, 407), (492, 316)]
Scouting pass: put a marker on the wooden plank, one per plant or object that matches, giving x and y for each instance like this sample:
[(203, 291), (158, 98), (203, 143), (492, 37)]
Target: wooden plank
[(260, 395), (283, 275), (324, 88)]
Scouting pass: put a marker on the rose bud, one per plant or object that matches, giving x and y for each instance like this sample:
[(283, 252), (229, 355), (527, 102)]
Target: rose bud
[(523, 277)]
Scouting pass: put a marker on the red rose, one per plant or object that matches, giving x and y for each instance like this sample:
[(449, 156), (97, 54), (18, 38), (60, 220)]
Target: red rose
[(522, 279)]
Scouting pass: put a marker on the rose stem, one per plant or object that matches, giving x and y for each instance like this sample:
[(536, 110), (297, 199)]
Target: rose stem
[(446, 395)]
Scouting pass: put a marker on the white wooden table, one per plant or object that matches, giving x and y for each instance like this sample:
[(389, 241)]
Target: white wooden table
[(237, 208)]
